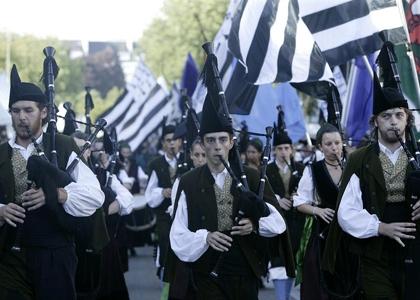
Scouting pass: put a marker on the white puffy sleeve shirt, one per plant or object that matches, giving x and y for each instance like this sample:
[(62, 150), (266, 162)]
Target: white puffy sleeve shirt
[(153, 191), (352, 217), (305, 191), (124, 197), (189, 245), (84, 196)]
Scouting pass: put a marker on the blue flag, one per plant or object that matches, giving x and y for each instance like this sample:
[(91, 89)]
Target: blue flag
[(189, 75), (360, 101), (264, 112)]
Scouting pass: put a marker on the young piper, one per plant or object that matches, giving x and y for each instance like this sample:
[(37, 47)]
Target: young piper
[(284, 174), (159, 188), (204, 227)]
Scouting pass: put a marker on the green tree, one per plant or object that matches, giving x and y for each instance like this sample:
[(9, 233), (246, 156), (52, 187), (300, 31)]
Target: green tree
[(26, 53), (183, 27)]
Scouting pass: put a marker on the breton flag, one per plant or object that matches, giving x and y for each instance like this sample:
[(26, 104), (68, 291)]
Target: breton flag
[(345, 29), (274, 44), (139, 111), (298, 40)]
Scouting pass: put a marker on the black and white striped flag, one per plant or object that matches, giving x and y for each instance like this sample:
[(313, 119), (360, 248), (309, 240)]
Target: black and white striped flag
[(345, 29), (274, 44), (140, 109), (296, 40), (233, 86)]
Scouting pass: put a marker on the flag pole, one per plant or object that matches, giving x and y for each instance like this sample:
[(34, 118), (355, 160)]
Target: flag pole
[(368, 66), (346, 107), (409, 50)]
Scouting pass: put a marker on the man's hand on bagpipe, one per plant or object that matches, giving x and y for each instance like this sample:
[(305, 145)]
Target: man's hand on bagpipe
[(33, 198), (50, 181), (219, 241), (243, 227), (12, 214), (39, 168), (252, 206)]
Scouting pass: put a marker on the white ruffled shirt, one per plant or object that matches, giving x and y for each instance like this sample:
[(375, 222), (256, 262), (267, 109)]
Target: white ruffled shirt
[(124, 197), (153, 191), (84, 196), (351, 216), (189, 245)]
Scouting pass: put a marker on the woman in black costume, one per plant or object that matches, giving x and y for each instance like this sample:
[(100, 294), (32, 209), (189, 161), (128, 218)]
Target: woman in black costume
[(316, 197)]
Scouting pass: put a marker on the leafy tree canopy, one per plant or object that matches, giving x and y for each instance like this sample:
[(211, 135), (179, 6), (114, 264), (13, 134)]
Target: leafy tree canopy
[(26, 52), (183, 27)]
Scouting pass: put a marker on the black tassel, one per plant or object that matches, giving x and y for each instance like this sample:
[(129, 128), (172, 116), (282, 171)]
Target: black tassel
[(55, 70)]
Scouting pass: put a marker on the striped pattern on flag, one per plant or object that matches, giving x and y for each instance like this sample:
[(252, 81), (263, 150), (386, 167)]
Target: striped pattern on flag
[(345, 29), (274, 44), (140, 109)]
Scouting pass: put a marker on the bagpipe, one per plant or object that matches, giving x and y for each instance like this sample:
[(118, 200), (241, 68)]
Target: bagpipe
[(70, 125), (387, 59), (412, 184), (266, 158), (250, 205), (189, 128), (44, 172), (88, 108), (50, 72), (184, 164), (344, 283), (212, 80), (99, 126), (334, 104)]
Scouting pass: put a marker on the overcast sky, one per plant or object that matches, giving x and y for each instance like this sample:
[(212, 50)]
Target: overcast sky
[(98, 20)]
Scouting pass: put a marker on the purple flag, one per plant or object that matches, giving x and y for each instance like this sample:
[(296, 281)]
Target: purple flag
[(190, 75), (360, 102)]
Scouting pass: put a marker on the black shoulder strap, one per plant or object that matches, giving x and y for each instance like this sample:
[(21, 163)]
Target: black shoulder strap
[(178, 194), (311, 172)]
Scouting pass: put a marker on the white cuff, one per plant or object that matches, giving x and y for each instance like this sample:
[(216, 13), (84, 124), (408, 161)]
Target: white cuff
[(278, 273)]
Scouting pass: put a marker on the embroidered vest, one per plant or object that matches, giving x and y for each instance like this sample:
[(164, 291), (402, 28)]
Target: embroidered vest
[(20, 173), (224, 200), (172, 173), (394, 176), (285, 177)]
